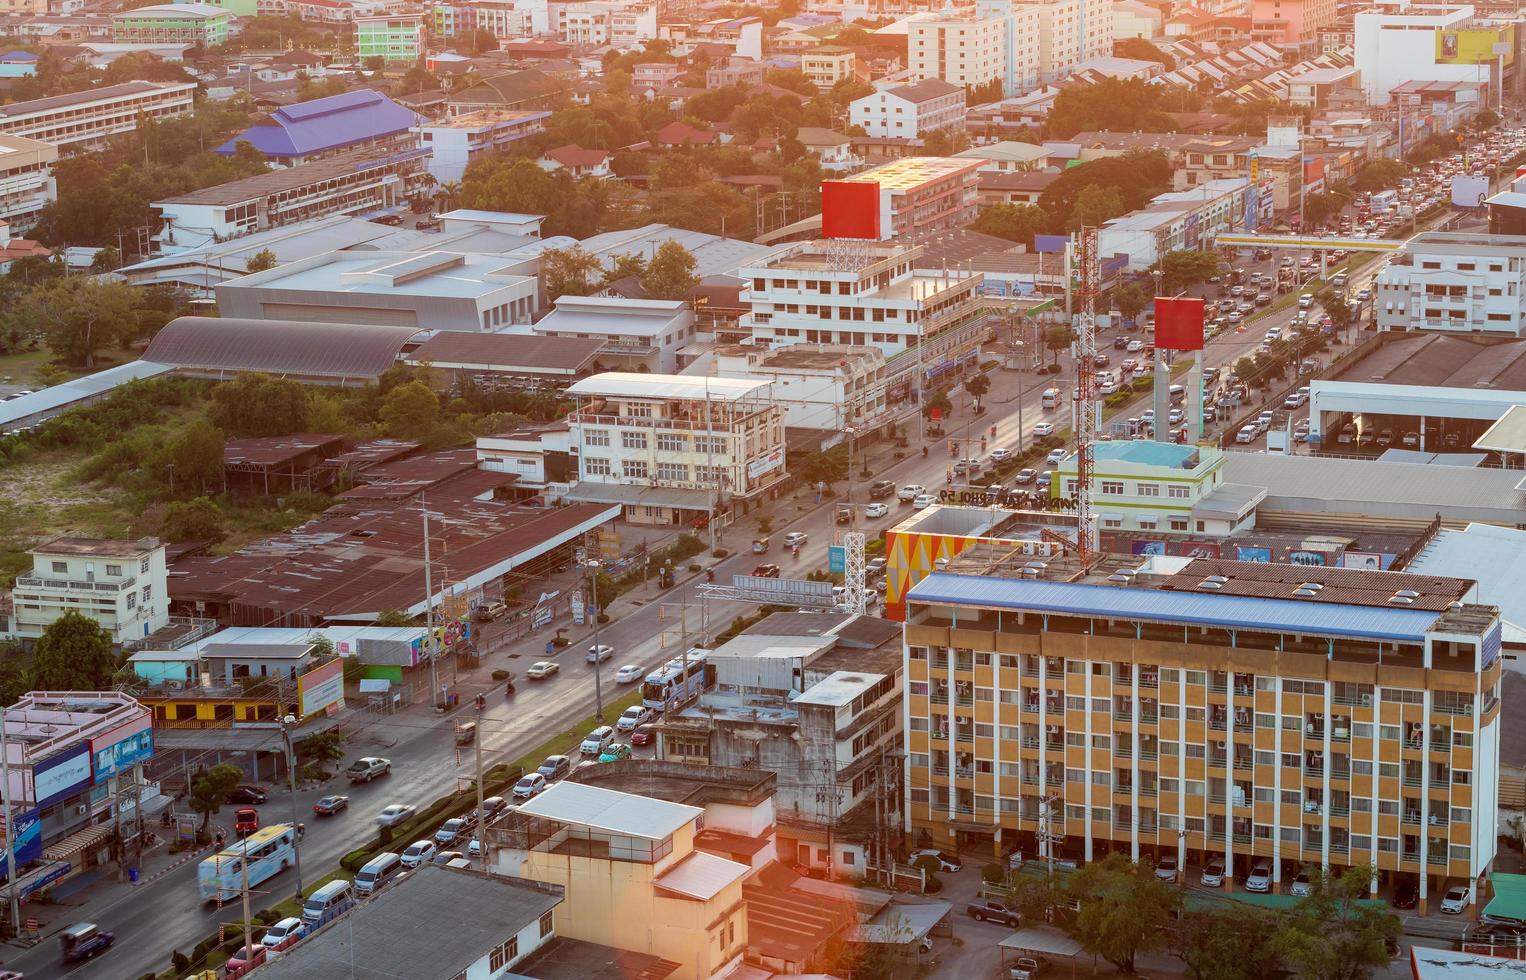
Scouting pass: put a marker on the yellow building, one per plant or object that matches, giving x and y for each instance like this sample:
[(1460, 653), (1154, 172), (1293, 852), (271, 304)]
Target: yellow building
[(632, 875), (828, 65)]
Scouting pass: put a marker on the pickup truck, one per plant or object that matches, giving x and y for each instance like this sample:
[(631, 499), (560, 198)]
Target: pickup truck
[(366, 769), (982, 909)]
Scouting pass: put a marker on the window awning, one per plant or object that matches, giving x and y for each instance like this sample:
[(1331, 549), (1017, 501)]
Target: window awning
[(81, 840), (593, 492)]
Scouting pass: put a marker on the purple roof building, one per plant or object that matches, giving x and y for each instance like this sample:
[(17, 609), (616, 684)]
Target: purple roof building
[(309, 131)]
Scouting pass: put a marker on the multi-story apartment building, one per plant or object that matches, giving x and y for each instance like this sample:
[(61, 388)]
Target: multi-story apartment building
[(391, 37), (959, 50), (827, 65), (922, 195), (927, 322), (1293, 714), (85, 120), (910, 111), (1045, 39), (1450, 281), (827, 388), (119, 584), (351, 183), (1290, 21), (452, 142), (672, 447), (503, 18), (26, 180), (172, 23)]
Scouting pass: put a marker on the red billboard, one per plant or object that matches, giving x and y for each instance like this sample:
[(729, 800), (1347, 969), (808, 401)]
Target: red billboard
[(850, 209), (1179, 323)]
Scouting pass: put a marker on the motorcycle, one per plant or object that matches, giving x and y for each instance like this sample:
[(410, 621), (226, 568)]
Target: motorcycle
[(924, 452)]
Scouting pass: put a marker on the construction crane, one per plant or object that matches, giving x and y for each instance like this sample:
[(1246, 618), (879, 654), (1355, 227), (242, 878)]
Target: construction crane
[(1085, 413)]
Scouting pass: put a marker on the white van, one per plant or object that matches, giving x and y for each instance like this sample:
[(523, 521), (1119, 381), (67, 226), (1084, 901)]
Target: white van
[(1051, 398), (376, 873), (327, 903)]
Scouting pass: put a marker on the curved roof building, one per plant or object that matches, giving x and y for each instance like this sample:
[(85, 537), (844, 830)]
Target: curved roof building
[(323, 353)]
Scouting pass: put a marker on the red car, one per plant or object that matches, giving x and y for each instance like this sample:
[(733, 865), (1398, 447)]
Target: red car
[(246, 959), (246, 820), (643, 735)]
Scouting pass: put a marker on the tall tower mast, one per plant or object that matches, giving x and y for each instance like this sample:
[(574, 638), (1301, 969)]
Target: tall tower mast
[(1085, 413)]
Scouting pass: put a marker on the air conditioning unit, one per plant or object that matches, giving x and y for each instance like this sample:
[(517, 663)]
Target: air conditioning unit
[(82, 809)]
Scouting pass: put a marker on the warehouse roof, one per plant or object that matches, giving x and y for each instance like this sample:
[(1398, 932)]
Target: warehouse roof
[(325, 124), (631, 384), (279, 347), (512, 353), (1326, 484), (1155, 605), (1443, 361), (274, 182)]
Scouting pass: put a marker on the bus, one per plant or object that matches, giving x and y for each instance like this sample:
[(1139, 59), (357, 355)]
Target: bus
[(672, 684), (269, 851)]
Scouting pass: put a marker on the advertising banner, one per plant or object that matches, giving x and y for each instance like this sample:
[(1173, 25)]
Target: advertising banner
[(850, 209), (121, 748), (764, 463), (1474, 46), (577, 607), (27, 840), (1179, 323), (61, 776), (1371, 560), (1308, 558), (1262, 555), (320, 687)]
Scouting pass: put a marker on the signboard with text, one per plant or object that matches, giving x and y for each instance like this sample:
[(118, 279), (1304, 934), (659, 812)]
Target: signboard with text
[(320, 687), (121, 748), (61, 776)]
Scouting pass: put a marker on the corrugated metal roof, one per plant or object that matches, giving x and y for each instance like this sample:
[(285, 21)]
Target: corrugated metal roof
[(58, 397), (323, 124), (702, 876), (1151, 605), (607, 809), (630, 384), (278, 347)]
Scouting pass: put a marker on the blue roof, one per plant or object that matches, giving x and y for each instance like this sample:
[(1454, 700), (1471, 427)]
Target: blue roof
[(325, 124), (1146, 453), (15, 56), (1195, 608)]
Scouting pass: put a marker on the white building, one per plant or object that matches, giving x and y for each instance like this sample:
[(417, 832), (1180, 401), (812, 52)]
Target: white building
[(26, 180), (1407, 45), (637, 333), (1174, 221), (1046, 39), (513, 18), (119, 584), (452, 141), (593, 23), (910, 111), (1449, 281), (1142, 485), (670, 447), (960, 50), (85, 120), (821, 387)]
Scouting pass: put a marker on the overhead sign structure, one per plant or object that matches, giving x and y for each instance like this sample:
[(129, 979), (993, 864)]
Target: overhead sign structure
[(1308, 241), (1179, 323)]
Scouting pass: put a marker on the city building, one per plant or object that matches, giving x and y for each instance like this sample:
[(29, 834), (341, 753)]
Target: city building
[(1018, 187), (119, 584), (673, 448), (1175, 220), (832, 150), (577, 161), (454, 140), (823, 388), (817, 695), (1134, 18), (632, 874), (1422, 43), (86, 120), (1007, 156), (925, 323), (238, 8), (734, 71), (910, 111), (1046, 39), (1290, 21), (200, 24), (828, 64), (959, 50), (77, 786), (1301, 715), (360, 120), (510, 920), (502, 18), (1143, 485), (429, 290), (508, 360), (1455, 282), (359, 182), (1322, 88), (391, 37), (638, 334), (919, 196)]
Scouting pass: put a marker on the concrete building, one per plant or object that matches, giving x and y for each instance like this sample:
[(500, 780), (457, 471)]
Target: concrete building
[(429, 290), (823, 388), (910, 111), (453, 141), (391, 37), (1408, 43), (1175, 220), (1319, 88), (1455, 282), (1157, 486), (1239, 710), (827, 65), (1007, 156), (924, 195), (631, 872), (319, 128), (359, 182), (26, 180), (172, 23), (1133, 18), (1290, 21), (86, 120), (959, 50), (672, 447), (637, 333), (1045, 39), (119, 584)]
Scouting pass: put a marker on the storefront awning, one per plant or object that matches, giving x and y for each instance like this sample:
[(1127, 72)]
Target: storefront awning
[(629, 493), (80, 840)]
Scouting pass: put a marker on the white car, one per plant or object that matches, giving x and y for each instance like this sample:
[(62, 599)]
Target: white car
[(529, 785), (795, 539), (910, 492), (542, 669), (946, 862), (1165, 868), (599, 654), (1302, 886), (629, 673), (1108, 388), (394, 815), (1135, 346), (1000, 455), (878, 509), (283, 934), (1455, 901), (636, 714), (597, 740), (1043, 429), (1306, 301), (1247, 434), (1260, 877), (922, 500), (417, 853), (1213, 874), (1056, 457)]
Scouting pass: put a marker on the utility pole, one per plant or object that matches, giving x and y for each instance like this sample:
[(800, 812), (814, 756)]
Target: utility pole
[(434, 647), (243, 871), (291, 780), (477, 751), (593, 565)]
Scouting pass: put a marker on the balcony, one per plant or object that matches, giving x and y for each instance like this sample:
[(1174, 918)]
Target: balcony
[(964, 772), (1242, 839), (1030, 742), (1436, 857), (1340, 811), (1412, 781), (1244, 765), (1409, 856), (1123, 715), (1218, 688), (1217, 798), (1150, 681), (1030, 707), (1147, 791), (1148, 755), (1217, 836), (1030, 780), (1412, 817), (940, 770), (72, 585), (1147, 828), (965, 700), (940, 697), (1055, 745), (1149, 718), (1219, 724), (1340, 848)]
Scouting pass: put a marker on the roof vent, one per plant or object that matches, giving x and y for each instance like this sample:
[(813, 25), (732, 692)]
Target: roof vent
[(1120, 578), (1455, 604), (1209, 585), (1407, 594), (1029, 572), (1400, 600), (1315, 586), (1036, 565), (1217, 579), (1305, 593)]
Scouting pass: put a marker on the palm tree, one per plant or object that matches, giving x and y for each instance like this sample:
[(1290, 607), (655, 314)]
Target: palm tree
[(445, 194)]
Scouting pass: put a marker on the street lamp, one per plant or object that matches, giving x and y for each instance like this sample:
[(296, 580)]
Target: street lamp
[(593, 565), (287, 721)]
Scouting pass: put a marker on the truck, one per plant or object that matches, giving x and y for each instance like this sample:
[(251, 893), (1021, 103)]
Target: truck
[(1382, 202), (365, 769)]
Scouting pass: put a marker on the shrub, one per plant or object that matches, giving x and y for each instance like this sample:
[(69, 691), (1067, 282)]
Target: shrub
[(500, 675), (181, 962), (719, 553), (993, 874)]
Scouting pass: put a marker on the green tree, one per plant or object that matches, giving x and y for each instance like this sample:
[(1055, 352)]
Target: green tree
[(1131, 299), (944, 142), (393, 617), (568, 271), (1116, 104), (1334, 933), (192, 520), (1014, 222), (1320, 208), (1137, 177), (196, 452), (1341, 313), (1377, 175), (1229, 945), (74, 654), (259, 405), (410, 411), (1057, 338), (1181, 268), (670, 274), (625, 266), (977, 385), (1142, 50), (81, 315), (1095, 205), (1125, 909), (210, 789), (261, 260), (938, 401), (827, 466), (106, 260), (15, 673), (1485, 119)]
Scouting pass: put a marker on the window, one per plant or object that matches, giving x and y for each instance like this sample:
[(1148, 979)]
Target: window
[(675, 472), (634, 469), (114, 570), (60, 567), (1149, 490), (132, 600), (595, 437), (1178, 491), (595, 466), (547, 924), (1178, 523), (148, 593), (504, 954), (1112, 487), (672, 442), (633, 440)]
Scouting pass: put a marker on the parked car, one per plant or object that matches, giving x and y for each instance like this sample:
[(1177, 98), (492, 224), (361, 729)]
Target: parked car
[(529, 786), (417, 853), (876, 510), (555, 767), (615, 752), (629, 674), (1406, 894), (946, 862), (1042, 429), (1260, 877), (248, 793), (1455, 901), (984, 908), (246, 959), (1027, 968), (283, 935), (329, 805), (1165, 867), (1302, 885), (1213, 874), (489, 611), (636, 714), (766, 571), (395, 814), (542, 669), (643, 735), (595, 741)]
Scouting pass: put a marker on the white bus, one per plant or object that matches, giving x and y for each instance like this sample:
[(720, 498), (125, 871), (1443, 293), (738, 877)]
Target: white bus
[(672, 684), (269, 851)]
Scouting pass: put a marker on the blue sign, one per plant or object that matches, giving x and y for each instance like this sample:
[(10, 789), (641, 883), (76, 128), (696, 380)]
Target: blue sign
[(27, 839), (1050, 243), (837, 558), (123, 755), (60, 776), (1262, 555)]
